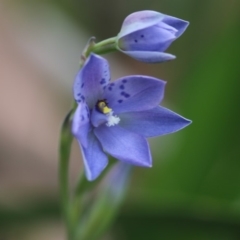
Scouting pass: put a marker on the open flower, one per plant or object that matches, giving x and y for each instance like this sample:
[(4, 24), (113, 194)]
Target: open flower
[(116, 117), (145, 35)]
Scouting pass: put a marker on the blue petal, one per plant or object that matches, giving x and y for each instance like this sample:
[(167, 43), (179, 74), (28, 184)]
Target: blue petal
[(139, 20), (91, 79), (124, 145), (177, 23), (154, 122), (150, 57), (98, 118), (95, 160), (134, 93), (80, 123), (154, 38)]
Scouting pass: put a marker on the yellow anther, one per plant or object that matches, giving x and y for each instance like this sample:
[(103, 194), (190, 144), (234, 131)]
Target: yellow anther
[(106, 110), (102, 107)]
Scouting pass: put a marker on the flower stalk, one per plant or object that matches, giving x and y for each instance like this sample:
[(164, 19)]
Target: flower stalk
[(71, 209), (106, 46)]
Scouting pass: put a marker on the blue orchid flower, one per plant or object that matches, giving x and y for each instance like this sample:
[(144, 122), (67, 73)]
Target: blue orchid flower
[(116, 117), (145, 35)]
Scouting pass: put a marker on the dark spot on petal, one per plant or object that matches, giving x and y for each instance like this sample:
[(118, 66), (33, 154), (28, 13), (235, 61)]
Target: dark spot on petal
[(78, 100), (88, 115), (79, 94), (110, 89), (82, 97), (142, 36), (135, 40), (124, 80), (82, 118), (112, 84), (82, 85), (126, 95), (120, 100), (121, 87), (123, 93), (103, 81)]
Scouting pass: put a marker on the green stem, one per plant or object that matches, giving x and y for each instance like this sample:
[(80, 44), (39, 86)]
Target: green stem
[(106, 46), (65, 149)]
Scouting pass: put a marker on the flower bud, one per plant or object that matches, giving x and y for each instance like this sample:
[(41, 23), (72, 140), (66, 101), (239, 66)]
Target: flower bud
[(145, 35)]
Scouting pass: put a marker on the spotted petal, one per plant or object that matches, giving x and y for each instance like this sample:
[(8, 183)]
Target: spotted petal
[(124, 145), (80, 123), (91, 79), (139, 20), (154, 38), (95, 160), (154, 122), (134, 93)]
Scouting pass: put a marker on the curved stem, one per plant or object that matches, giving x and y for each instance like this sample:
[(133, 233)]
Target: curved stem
[(64, 152), (103, 47)]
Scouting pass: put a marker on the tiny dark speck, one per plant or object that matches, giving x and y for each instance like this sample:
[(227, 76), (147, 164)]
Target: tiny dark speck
[(79, 94), (142, 36), (123, 93), (82, 118), (82, 97), (110, 89), (135, 40), (120, 100), (103, 81), (124, 80), (82, 85), (121, 87), (126, 95)]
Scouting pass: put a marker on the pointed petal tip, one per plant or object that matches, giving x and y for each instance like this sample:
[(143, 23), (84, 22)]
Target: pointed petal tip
[(149, 165), (90, 177), (93, 176), (188, 121), (150, 57), (146, 164), (185, 123)]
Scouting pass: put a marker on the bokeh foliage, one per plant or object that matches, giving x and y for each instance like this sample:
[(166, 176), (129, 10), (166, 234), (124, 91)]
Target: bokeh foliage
[(193, 189)]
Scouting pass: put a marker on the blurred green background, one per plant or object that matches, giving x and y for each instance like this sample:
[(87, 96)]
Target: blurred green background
[(193, 189)]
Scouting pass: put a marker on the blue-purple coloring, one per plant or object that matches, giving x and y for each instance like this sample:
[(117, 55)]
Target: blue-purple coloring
[(116, 118), (145, 35)]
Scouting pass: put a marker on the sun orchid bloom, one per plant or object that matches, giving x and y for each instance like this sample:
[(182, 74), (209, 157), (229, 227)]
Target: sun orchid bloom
[(145, 35), (115, 118)]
